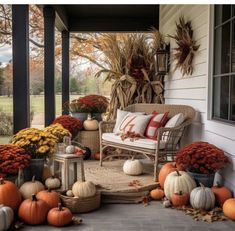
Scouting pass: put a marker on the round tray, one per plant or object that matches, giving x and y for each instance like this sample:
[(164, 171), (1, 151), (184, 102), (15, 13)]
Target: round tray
[(81, 205)]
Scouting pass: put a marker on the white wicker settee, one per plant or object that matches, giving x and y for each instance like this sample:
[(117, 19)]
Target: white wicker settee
[(161, 150)]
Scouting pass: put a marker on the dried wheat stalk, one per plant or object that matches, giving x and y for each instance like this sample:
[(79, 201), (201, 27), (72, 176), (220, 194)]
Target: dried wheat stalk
[(184, 53)]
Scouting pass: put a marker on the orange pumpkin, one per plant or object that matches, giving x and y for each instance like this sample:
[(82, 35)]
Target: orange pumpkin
[(33, 211), (165, 170), (50, 197), (96, 156), (222, 193), (180, 199), (9, 194), (157, 194), (229, 208), (59, 216)]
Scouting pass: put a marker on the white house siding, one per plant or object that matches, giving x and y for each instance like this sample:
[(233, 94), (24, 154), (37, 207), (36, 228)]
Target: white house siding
[(194, 90)]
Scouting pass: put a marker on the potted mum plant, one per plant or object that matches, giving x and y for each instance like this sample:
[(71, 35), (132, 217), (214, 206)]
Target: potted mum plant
[(12, 159), (38, 144), (73, 125), (93, 104), (202, 160)]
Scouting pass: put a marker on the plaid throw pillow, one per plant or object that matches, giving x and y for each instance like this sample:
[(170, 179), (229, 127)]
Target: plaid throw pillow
[(157, 121)]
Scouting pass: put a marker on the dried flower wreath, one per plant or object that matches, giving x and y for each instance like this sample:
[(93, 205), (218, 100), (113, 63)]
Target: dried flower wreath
[(184, 53)]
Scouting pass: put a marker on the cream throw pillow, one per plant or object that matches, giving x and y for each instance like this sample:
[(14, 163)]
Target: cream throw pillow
[(120, 116), (175, 121), (134, 123)]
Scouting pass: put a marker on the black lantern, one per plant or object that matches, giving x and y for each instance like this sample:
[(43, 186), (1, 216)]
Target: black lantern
[(162, 60)]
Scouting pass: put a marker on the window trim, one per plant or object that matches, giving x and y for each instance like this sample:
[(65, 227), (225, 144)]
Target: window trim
[(211, 29)]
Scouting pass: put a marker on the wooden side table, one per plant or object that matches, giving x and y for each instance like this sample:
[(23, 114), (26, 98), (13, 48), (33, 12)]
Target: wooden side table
[(66, 160), (89, 139)]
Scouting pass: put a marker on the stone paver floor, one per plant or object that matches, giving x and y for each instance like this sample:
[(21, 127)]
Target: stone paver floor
[(136, 217)]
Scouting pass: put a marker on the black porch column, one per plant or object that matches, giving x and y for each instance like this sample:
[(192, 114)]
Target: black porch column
[(65, 72), (20, 39), (49, 64)]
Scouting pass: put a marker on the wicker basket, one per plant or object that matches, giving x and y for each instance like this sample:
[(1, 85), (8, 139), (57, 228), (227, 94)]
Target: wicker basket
[(81, 205)]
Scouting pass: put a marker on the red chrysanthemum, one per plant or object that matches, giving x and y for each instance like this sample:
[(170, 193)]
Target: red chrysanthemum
[(201, 157), (70, 123), (12, 158)]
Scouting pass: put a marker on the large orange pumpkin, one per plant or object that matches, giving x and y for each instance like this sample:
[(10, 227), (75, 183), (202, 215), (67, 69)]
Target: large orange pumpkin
[(229, 208), (165, 170), (180, 199), (50, 197), (59, 216), (9, 194), (222, 193), (33, 211)]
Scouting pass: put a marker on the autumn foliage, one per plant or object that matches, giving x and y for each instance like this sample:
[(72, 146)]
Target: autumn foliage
[(12, 158), (201, 157)]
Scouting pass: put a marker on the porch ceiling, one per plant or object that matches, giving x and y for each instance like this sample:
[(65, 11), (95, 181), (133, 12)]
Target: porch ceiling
[(106, 18)]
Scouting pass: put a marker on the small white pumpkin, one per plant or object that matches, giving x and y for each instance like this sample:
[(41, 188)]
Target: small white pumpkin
[(6, 217), (178, 181), (166, 204), (31, 187), (69, 193), (202, 198), (52, 182), (90, 124), (83, 189), (133, 167), (70, 149)]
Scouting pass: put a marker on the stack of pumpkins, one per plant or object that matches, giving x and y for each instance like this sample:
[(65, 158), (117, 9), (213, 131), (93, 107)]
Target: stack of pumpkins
[(180, 189), (32, 203)]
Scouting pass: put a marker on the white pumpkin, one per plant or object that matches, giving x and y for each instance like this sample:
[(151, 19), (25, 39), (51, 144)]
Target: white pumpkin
[(133, 167), (6, 217), (52, 182), (69, 193), (70, 149), (83, 189), (202, 198), (178, 181), (90, 124), (31, 187)]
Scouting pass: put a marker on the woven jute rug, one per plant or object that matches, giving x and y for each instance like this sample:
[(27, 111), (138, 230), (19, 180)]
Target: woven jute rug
[(110, 178)]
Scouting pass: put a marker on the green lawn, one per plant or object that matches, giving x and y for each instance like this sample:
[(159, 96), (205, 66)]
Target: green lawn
[(36, 103)]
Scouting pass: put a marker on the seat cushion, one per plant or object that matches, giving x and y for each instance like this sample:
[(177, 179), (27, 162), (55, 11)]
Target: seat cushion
[(142, 142)]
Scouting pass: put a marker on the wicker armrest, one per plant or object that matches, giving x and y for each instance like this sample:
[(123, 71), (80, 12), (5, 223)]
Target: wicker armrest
[(106, 126), (172, 135)]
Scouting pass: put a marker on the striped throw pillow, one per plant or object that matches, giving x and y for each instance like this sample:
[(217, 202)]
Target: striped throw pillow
[(157, 121)]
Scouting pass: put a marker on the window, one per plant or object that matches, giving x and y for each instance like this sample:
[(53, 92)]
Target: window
[(224, 63)]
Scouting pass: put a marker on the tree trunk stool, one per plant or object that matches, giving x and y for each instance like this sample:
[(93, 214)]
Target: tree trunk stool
[(65, 160)]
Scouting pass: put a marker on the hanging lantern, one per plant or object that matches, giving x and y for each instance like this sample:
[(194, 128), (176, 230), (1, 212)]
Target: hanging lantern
[(162, 60)]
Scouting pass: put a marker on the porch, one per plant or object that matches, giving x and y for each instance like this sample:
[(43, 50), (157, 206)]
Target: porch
[(212, 123)]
